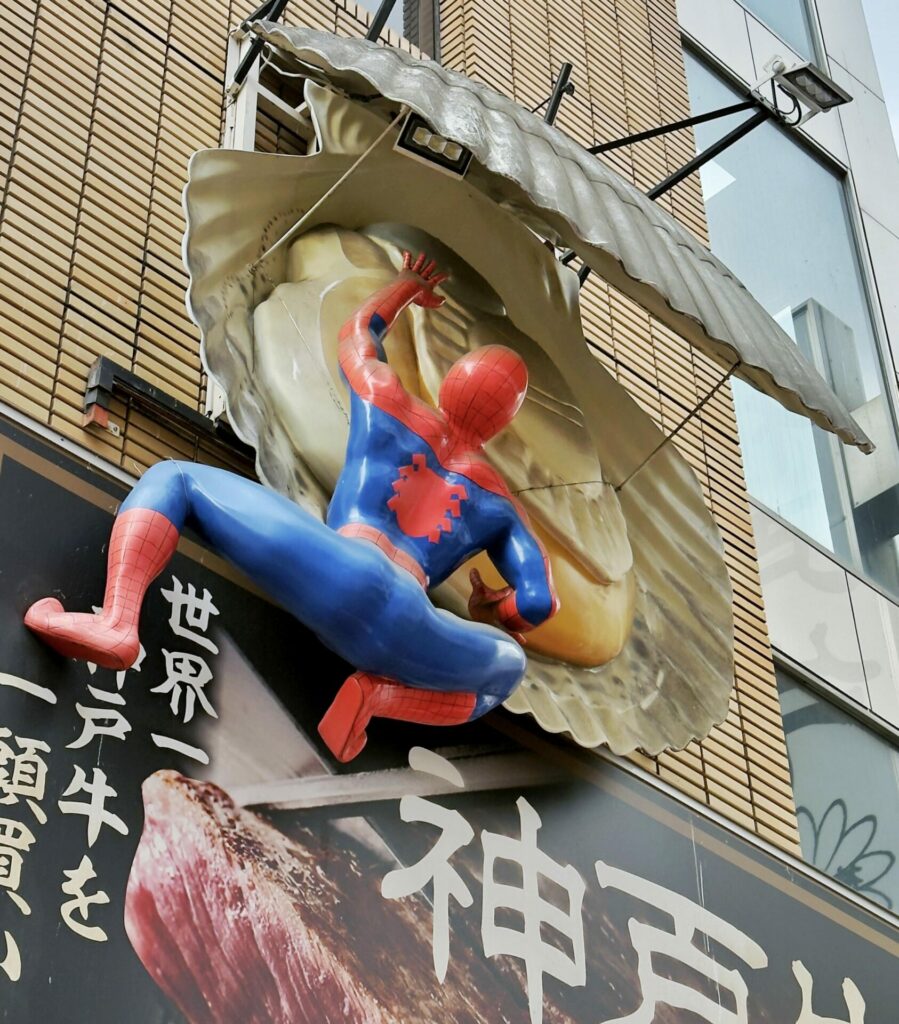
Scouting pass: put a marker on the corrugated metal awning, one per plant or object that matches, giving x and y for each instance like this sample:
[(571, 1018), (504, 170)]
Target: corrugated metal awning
[(553, 182)]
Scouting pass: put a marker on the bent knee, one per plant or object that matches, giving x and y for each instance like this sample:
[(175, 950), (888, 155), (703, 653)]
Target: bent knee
[(162, 488), (507, 671), (504, 682), (166, 475)]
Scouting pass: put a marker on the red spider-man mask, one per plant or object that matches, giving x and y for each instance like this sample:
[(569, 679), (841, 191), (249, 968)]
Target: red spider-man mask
[(483, 391)]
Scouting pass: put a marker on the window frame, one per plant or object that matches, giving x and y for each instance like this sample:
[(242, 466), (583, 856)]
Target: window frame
[(819, 54), (865, 718), (752, 838), (830, 693), (884, 349), (435, 20)]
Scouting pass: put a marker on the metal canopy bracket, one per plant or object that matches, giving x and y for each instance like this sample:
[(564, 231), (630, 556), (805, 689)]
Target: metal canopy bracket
[(803, 84), (709, 153), (764, 112), (271, 10), (562, 87), (380, 20), (674, 126)]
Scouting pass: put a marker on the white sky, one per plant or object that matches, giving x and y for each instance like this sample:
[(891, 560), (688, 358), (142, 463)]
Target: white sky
[(883, 24), (395, 21)]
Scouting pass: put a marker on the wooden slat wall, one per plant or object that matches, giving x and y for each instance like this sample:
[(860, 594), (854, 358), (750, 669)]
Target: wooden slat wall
[(101, 105), (629, 76)]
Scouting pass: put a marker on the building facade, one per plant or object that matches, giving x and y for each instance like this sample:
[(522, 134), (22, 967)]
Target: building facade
[(101, 107), (825, 536)]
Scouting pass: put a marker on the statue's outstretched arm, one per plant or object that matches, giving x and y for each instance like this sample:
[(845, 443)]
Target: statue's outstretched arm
[(530, 598), (361, 348)]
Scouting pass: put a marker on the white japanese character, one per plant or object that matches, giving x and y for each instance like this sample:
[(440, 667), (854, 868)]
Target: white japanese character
[(15, 839), (100, 722), (12, 962), (689, 919), (185, 749), (187, 675), (95, 811), (27, 775), (540, 957), (80, 903), (26, 686), (455, 832), (195, 611), (854, 1002)]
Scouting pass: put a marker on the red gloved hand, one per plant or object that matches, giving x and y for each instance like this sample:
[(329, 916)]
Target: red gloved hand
[(484, 602), (423, 272)]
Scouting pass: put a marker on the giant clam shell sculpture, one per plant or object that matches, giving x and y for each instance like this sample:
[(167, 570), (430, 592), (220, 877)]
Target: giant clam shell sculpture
[(280, 249)]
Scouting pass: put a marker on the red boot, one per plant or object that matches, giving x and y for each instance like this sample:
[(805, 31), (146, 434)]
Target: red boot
[(140, 547), (363, 696)]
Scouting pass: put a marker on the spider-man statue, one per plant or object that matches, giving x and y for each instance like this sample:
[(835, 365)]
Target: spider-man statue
[(415, 499)]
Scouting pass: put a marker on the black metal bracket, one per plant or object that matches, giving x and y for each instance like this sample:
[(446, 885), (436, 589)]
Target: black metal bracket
[(762, 114), (380, 20), (271, 10), (710, 152), (674, 126), (108, 380), (563, 86)]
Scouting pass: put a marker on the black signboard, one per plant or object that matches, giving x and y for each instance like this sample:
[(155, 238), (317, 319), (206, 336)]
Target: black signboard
[(177, 845)]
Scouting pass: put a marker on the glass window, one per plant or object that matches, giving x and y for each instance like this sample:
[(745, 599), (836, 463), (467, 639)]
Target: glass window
[(846, 787), (778, 218), (789, 19)]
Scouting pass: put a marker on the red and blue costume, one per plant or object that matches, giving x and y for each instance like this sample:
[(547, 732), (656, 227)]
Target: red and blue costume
[(415, 499)]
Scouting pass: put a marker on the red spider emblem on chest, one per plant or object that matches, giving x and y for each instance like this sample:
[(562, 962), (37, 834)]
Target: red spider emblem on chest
[(425, 504)]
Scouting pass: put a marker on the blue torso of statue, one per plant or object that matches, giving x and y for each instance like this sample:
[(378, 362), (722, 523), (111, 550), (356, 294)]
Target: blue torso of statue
[(393, 481)]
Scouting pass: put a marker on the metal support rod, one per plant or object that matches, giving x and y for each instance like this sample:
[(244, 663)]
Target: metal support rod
[(693, 412), (271, 11), (693, 165), (563, 87), (688, 122), (260, 13), (709, 154), (380, 20)]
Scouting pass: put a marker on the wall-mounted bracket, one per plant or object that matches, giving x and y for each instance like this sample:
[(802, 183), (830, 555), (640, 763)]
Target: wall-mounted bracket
[(380, 20), (108, 380), (271, 10), (562, 87), (674, 126)]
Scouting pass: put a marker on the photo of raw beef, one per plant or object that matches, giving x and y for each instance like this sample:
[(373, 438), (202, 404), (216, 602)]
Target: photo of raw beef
[(240, 925)]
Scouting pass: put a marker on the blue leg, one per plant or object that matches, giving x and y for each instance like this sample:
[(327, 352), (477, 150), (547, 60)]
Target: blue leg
[(365, 608)]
